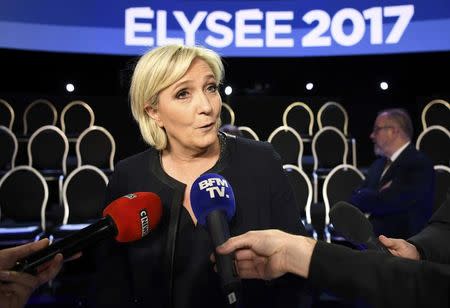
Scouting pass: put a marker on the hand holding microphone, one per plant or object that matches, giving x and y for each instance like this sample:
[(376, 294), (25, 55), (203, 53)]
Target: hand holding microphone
[(212, 200), (351, 223), (127, 219)]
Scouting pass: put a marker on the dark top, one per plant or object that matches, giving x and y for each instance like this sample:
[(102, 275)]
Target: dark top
[(389, 281), (171, 266), (433, 242), (402, 209), (383, 280)]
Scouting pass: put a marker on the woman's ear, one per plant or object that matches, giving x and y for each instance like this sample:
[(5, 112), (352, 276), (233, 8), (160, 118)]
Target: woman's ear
[(154, 114)]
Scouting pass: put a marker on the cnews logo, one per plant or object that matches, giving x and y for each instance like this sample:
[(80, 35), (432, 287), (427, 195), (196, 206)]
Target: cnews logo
[(144, 222), (130, 196)]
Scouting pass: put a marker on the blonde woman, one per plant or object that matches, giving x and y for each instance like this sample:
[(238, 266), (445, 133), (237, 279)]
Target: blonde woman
[(175, 100)]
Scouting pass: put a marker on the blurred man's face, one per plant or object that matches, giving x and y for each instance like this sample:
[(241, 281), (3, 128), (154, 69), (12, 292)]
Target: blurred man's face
[(383, 134)]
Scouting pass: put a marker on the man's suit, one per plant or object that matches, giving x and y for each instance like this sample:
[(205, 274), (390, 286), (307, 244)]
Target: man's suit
[(400, 202)]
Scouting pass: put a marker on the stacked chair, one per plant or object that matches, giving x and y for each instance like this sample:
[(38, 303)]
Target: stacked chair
[(338, 186), (38, 113), (288, 143), (248, 132), (227, 114), (436, 112), (325, 156), (46, 197), (335, 115), (8, 146), (96, 146), (7, 114), (302, 187), (23, 202)]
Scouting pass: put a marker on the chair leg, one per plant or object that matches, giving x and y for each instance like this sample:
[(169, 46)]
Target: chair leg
[(315, 187)]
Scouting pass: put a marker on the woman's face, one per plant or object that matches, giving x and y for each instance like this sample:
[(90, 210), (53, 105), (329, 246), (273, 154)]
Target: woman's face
[(189, 109)]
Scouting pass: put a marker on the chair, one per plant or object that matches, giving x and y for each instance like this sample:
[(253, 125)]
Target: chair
[(76, 116), (227, 114), (288, 143), (96, 146), (330, 149), (6, 114), (302, 187), (83, 194), (333, 114), (338, 186), (23, 201), (436, 112), (442, 185), (247, 132), (8, 152), (39, 113), (47, 151), (435, 143), (300, 117)]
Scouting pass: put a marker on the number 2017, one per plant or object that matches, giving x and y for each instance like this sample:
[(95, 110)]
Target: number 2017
[(316, 37)]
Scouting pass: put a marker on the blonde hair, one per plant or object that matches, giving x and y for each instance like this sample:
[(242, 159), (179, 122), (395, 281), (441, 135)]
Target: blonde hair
[(156, 70)]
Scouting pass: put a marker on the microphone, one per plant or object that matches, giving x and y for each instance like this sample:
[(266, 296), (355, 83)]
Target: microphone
[(128, 218), (213, 204), (351, 223)]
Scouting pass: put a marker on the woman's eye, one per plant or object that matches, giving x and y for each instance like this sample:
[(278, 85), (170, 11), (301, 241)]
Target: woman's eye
[(182, 94), (212, 88)]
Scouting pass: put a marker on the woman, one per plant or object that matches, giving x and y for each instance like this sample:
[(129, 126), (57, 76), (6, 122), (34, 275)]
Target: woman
[(175, 100)]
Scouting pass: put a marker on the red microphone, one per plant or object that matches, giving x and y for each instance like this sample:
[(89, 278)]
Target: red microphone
[(127, 219)]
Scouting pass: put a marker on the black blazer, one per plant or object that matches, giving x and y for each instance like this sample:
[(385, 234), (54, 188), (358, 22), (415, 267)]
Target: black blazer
[(389, 281), (433, 241), (171, 267), (380, 279), (402, 209)]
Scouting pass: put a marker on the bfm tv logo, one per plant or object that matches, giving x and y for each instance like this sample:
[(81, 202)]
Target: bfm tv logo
[(215, 187)]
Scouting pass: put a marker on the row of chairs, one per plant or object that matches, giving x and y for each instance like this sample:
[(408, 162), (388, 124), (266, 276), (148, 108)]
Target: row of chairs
[(300, 117), (338, 186), (24, 196), (75, 117), (48, 149)]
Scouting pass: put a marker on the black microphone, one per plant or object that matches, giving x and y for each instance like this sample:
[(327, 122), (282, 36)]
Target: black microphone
[(212, 201), (128, 219), (350, 222)]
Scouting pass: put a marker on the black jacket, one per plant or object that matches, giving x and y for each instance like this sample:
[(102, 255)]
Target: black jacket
[(388, 281), (171, 266)]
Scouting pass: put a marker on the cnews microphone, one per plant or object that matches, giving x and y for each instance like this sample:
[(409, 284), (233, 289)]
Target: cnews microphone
[(351, 223), (212, 201), (128, 219)]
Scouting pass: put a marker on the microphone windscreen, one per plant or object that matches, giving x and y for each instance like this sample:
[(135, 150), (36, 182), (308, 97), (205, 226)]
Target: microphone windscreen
[(135, 215), (211, 192), (350, 222)]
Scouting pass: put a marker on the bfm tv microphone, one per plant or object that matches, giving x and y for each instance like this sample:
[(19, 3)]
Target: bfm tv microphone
[(351, 223), (212, 201), (128, 219)]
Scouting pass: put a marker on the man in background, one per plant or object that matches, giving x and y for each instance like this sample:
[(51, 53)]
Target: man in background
[(399, 187)]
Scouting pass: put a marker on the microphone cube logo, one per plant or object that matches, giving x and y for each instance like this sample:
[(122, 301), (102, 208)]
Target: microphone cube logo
[(144, 222), (215, 187)]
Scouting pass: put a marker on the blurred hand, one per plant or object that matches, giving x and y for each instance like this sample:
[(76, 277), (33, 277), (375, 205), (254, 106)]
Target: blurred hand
[(15, 287), (269, 254), (400, 247)]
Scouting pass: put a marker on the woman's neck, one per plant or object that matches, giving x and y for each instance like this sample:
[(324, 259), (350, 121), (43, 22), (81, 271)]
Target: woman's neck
[(181, 155), (186, 165)]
